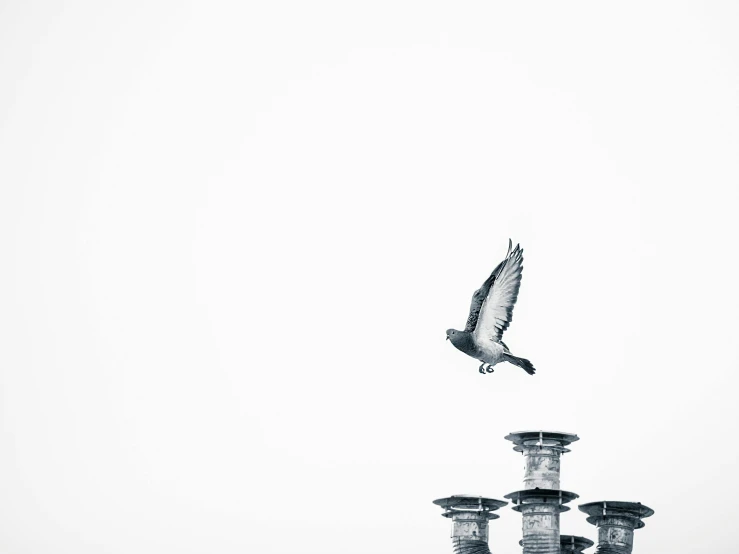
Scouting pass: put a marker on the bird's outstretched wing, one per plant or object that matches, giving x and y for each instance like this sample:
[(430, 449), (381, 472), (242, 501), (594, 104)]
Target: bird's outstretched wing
[(497, 309), (480, 294)]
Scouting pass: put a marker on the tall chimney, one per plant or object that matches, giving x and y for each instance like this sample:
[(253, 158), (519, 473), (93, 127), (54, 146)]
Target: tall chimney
[(470, 516), (616, 522), (541, 501)]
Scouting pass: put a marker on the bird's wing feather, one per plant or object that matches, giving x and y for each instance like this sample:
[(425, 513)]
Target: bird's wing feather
[(480, 294), (497, 309)]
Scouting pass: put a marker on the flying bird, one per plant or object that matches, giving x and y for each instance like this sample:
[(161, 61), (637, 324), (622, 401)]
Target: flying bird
[(491, 312)]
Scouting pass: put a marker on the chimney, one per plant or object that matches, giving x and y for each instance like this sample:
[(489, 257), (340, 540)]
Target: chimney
[(470, 516), (616, 522), (541, 501)]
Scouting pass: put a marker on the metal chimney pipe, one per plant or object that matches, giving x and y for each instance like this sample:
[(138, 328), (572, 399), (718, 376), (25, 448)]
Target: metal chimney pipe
[(470, 516), (542, 450), (616, 522), (540, 509), (541, 501)]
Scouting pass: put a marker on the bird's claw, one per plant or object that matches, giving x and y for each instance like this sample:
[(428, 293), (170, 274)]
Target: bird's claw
[(483, 370), (489, 369)]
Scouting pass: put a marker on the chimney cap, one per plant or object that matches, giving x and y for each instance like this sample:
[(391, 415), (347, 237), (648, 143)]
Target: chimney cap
[(469, 503), (529, 438), (617, 508), (541, 496)]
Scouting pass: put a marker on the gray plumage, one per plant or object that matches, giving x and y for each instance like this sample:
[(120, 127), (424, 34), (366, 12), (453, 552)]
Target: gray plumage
[(491, 312)]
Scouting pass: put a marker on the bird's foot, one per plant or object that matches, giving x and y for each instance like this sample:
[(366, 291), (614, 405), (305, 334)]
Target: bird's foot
[(489, 368), (481, 369)]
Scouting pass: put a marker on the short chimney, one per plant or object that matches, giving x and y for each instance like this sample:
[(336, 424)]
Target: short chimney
[(616, 522), (470, 516)]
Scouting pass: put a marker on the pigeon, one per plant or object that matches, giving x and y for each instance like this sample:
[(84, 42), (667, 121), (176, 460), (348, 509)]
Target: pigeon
[(491, 312)]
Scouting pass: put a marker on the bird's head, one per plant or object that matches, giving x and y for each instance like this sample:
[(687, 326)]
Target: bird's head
[(460, 339)]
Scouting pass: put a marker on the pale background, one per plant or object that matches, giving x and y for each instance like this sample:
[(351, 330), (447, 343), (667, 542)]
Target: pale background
[(233, 235)]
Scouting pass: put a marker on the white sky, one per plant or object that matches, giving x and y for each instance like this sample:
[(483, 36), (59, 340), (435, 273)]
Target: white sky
[(233, 235)]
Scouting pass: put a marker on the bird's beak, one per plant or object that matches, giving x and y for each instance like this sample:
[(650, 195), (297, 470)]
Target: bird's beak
[(447, 337)]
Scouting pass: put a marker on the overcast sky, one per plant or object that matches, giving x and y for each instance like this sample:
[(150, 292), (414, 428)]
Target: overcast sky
[(234, 233)]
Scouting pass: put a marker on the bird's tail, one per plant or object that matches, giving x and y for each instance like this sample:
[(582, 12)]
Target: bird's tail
[(523, 363)]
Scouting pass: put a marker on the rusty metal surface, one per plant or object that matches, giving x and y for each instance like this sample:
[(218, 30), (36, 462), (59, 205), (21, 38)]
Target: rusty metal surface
[(541, 468), (542, 451), (540, 528), (471, 526), (540, 509)]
